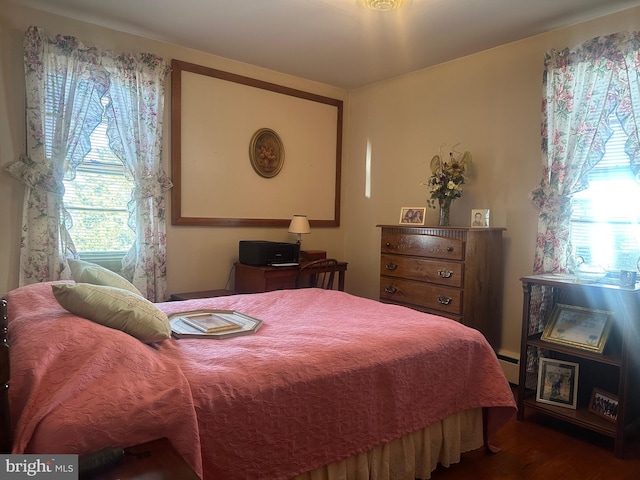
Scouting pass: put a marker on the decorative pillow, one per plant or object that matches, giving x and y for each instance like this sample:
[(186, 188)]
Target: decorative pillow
[(116, 308), (86, 272)]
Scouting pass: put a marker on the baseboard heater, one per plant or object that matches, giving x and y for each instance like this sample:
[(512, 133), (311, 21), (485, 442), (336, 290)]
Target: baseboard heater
[(510, 366)]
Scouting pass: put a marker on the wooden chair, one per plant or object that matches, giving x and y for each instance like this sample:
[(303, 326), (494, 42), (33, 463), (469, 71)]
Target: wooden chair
[(317, 274)]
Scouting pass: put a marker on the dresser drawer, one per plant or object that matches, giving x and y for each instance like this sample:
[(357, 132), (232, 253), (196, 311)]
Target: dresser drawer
[(425, 270), (436, 297), (423, 245)]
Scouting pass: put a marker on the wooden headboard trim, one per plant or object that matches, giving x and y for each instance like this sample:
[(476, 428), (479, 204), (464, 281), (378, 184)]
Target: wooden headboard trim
[(6, 438)]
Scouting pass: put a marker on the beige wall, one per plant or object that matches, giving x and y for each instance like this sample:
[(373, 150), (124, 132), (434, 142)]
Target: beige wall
[(490, 102)]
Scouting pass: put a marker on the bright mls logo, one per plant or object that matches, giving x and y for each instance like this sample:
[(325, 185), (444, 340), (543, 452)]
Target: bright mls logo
[(52, 467)]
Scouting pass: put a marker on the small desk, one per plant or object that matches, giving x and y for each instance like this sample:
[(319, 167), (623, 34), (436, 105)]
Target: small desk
[(257, 279), (161, 462)]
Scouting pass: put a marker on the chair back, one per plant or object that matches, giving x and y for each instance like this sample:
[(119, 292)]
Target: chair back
[(317, 274)]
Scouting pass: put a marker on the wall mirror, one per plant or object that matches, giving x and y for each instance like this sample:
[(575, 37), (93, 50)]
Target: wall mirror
[(215, 116)]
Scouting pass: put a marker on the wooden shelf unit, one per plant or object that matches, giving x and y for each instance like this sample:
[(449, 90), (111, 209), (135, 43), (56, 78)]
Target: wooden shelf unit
[(615, 370)]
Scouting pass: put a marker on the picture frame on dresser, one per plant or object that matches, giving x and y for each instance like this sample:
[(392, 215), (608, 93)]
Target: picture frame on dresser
[(412, 215), (558, 382), (480, 218)]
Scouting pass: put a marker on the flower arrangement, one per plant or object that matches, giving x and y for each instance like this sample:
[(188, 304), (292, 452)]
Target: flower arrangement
[(447, 176)]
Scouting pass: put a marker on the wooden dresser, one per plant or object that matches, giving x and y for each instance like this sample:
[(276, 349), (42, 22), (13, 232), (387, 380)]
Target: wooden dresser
[(455, 272)]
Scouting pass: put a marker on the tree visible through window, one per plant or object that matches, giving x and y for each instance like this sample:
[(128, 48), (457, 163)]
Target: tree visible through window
[(97, 200), (605, 224)]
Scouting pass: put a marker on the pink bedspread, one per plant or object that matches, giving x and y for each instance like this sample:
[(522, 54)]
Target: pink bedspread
[(327, 376)]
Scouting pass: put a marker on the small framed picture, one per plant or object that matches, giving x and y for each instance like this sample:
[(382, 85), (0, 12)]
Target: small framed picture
[(578, 327), (412, 215), (557, 382), (480, 218), (604, 404)]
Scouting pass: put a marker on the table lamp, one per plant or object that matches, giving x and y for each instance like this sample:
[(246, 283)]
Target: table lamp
[(299, 225)]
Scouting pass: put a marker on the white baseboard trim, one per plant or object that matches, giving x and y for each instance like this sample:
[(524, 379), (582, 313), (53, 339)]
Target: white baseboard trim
[(509, 363)]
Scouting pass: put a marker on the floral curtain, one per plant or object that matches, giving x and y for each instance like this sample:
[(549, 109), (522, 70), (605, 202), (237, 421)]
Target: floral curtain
[(629, 103), (581, 88), (135, 115), (64, 85), (66, 82), (579, 92)]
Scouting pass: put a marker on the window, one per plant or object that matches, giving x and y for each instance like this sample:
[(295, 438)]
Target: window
[(605, 225), (97, 201)]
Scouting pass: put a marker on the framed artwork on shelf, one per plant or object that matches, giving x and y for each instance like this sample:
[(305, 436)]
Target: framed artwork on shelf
[(604, 404), (480, 218), (412, 215), (578, 327), (557, 382)]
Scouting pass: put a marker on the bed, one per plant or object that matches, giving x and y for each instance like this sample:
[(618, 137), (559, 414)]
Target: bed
[(331, 386)]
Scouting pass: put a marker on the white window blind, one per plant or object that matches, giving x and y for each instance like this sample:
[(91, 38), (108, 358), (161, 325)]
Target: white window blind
[(605, 224), (97, 200)]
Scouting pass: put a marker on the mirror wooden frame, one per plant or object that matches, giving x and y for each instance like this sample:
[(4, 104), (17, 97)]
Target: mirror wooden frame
[(177, 217)]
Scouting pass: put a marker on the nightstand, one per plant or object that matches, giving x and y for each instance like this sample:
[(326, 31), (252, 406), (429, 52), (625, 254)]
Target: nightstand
[(201, 294), (162, 462), (311, 255)]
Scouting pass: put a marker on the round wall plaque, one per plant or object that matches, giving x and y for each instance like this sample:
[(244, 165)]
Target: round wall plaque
[(266, 153)]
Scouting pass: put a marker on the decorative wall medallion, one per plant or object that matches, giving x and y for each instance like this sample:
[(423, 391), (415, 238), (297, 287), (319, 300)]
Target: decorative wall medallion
[(266, 153)]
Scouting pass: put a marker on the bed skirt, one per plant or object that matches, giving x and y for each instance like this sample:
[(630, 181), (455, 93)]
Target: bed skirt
[(413, 456)]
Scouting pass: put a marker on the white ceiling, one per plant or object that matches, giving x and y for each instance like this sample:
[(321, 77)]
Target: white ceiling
[(336, 42)]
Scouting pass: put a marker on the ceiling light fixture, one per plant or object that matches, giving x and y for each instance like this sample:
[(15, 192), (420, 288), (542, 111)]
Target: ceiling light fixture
[(383, 5)]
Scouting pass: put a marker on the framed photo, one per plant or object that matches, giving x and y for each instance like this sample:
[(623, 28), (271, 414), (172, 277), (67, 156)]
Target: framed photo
[(480, 218), (412, 215), (604, 404), (266, 153), (557, 382), (578, 327)]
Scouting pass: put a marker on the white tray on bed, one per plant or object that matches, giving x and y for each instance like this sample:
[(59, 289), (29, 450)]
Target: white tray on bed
[(180, 329)]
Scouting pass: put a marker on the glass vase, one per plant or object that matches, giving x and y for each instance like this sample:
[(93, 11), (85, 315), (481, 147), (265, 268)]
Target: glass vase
[(445, 208)]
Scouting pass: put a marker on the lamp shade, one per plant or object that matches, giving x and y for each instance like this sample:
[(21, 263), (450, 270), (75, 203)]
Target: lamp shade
[(299, 224)]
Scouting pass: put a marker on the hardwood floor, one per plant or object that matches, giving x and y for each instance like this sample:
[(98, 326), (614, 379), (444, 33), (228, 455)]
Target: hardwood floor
[(544, 448)]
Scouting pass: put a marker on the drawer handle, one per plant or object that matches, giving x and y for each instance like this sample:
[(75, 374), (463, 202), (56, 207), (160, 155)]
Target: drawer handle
[(449, 249), (391, 266), (444, 300), (390, 289), (390, 246), (444, 273)]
